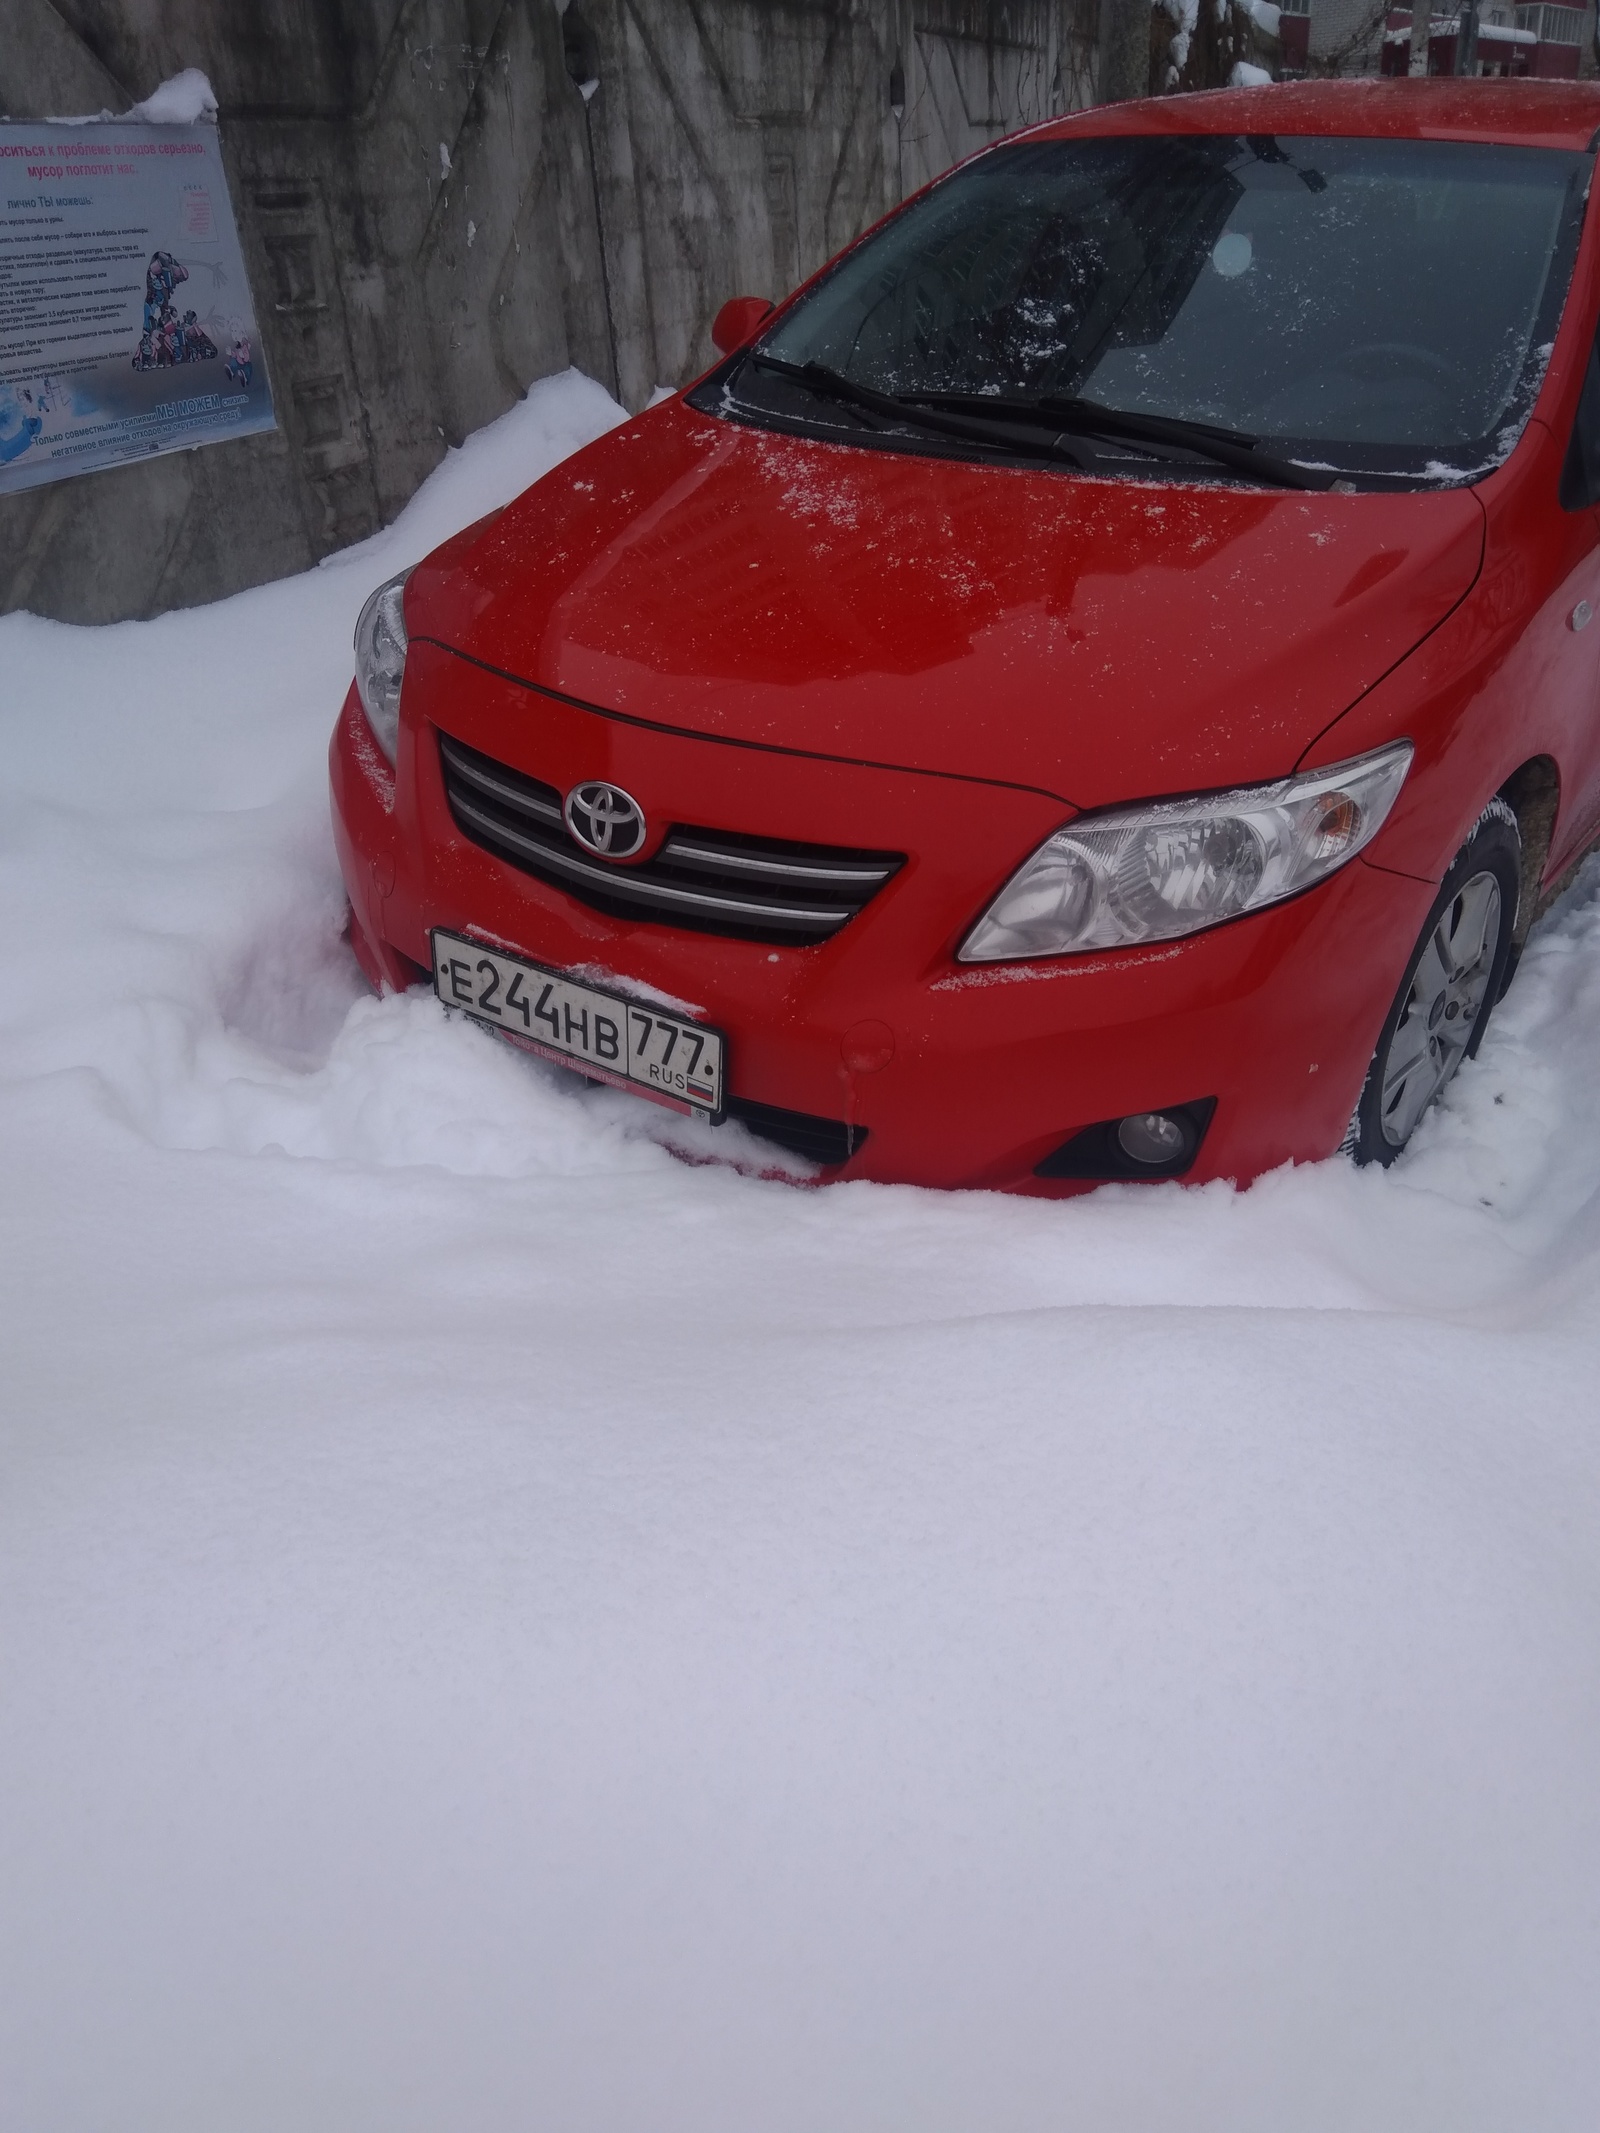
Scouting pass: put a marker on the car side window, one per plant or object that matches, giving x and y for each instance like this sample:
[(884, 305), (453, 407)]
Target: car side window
[(1580, 476)]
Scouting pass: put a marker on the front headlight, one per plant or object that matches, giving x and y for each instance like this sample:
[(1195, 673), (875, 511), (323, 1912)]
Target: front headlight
[(381, 661), (1138, 874)]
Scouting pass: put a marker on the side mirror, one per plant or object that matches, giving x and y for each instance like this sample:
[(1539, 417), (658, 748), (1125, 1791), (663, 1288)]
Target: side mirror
[(739, 320)]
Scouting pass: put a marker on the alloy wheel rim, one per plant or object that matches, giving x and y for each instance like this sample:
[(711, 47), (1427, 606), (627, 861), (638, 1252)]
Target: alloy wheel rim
[(1446, 997)]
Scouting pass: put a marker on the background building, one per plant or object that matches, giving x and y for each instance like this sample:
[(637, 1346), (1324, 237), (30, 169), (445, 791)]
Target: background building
[(1542, 41), (1344, 37)]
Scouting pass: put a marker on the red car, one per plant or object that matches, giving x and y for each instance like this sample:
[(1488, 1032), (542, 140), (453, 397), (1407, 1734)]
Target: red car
[(1095, 685)]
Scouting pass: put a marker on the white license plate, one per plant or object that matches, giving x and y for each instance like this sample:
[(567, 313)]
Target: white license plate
[(607, 1034)]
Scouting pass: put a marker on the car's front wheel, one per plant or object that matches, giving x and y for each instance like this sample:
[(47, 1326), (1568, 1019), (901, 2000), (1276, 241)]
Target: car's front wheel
[(1451, 983)]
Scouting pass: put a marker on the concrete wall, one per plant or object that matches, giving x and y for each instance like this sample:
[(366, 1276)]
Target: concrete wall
[(434, 213)]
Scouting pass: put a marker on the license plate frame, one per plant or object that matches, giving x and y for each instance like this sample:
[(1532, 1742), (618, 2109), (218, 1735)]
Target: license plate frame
[(546, 1020)]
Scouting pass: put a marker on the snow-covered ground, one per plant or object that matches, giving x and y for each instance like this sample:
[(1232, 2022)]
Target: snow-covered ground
[(502, 1628)]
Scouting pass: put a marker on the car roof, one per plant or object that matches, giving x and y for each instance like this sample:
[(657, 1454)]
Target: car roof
[(1534, 114)]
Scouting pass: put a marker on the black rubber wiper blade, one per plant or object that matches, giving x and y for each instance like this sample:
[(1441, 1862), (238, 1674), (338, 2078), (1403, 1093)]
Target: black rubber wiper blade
[(1229, 448), (1047, 442), (957, 415), (1087, 418), (1054, 405)]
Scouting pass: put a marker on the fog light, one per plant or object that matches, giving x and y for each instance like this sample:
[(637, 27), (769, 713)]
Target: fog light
[(1156, 1138), (1146, 1144)]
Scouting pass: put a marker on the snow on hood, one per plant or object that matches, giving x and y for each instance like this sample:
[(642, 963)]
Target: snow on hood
[(1099, 639)]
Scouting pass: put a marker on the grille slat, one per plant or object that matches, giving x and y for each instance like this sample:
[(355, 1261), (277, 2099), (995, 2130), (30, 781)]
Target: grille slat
[(523, 802), (614, 883), (777, 869), (715, 881)]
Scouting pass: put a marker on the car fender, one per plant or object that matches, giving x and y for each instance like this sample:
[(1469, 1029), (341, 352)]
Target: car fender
[(1506, 677)]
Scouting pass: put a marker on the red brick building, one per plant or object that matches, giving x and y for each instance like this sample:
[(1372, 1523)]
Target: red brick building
[(1542, 40)]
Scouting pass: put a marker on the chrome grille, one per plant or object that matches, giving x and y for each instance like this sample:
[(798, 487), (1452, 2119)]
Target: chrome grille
[(714, 881)]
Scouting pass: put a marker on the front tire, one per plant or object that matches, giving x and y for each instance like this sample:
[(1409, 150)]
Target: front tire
[(1455, 975)]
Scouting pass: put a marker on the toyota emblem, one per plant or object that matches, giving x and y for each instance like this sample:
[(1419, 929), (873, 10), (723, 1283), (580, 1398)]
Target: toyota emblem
[(605, 820)]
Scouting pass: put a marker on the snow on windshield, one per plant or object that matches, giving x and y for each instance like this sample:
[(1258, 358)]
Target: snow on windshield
[(503, 1627)]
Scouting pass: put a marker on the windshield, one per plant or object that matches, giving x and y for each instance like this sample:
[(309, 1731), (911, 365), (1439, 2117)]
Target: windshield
[(1376, 306)]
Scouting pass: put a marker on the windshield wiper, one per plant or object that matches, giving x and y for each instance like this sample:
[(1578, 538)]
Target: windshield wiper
[(1003, 436), (993, 419), (1087, 418)]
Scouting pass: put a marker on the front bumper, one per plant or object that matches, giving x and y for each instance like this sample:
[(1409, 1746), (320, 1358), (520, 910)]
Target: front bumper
[(962, 1075)]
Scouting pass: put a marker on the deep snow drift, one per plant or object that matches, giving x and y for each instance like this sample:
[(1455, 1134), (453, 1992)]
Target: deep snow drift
[(502, 1628)]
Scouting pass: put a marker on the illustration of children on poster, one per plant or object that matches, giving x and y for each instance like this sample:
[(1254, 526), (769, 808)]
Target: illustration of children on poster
[(166, 338)]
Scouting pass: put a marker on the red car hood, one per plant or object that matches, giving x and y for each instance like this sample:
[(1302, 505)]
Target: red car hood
[(1101, 639)]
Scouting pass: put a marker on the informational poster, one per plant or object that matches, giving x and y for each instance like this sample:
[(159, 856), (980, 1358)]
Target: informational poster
[(126, 326)]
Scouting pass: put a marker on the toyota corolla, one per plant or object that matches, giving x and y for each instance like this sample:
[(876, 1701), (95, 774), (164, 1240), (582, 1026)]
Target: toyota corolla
[(1096, 685)]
